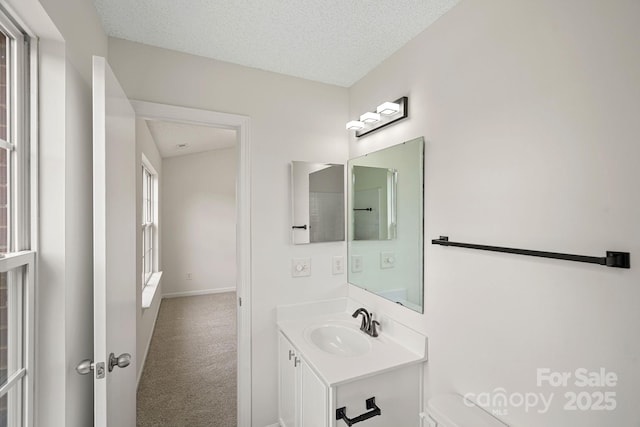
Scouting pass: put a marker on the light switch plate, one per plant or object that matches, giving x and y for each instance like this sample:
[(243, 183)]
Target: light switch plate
[(300, 267), (387, 259), (337, 265), (356, 263)]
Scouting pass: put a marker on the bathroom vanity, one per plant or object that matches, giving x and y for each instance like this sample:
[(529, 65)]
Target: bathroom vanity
[(331, 373)]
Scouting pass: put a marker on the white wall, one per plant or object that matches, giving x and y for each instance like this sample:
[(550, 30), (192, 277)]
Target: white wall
[(146, 317), (291, 119), (529, 110), (199, 211), (64, 295)]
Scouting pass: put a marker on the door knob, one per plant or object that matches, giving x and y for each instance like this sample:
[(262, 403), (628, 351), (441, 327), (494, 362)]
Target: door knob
[(85, 367), (121, 361)]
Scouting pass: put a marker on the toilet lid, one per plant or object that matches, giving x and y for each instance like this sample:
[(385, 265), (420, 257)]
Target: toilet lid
[(450, 410)]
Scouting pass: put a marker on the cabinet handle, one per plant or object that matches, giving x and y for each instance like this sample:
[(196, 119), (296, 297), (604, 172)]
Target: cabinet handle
[(341, 413), (291, 354), (296, 360)]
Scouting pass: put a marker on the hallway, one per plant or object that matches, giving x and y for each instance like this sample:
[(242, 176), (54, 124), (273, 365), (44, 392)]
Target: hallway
[(189, 378)]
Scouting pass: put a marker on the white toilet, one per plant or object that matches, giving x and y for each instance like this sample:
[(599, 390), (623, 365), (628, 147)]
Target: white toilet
[(451, 410)]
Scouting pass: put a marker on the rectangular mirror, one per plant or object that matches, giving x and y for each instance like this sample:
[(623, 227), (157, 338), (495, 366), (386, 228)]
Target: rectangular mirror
[(318, 202), (385, 223)]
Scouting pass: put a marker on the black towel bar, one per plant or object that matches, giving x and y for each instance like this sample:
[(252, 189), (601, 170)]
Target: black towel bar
[(613, 259)]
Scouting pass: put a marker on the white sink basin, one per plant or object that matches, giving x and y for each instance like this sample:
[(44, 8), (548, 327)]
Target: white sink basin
[(338, 340)]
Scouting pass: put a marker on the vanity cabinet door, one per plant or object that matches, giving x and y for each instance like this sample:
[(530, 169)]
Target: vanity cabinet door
[(314, 398), (302, 396), (397, 394), (287, 383)]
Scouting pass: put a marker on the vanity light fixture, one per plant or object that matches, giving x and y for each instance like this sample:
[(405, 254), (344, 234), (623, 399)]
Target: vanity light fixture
[(355, 125), (386, 114)]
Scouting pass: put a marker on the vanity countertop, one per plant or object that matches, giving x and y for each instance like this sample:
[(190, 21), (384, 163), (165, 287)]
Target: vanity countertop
[(396, 345)]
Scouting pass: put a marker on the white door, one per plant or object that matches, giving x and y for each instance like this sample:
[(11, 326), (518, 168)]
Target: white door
[(114, 258)]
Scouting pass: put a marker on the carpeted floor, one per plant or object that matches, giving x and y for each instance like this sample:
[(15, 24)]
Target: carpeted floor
[(189, 378)]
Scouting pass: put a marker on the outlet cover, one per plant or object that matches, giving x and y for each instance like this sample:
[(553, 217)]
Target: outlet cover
[(300, 267), (337, 265), (356, 263)]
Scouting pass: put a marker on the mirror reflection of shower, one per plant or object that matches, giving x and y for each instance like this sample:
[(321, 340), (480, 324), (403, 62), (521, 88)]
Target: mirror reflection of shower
[(318, 202), (374, 203)]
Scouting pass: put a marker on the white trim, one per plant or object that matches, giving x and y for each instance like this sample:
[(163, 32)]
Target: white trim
[(171, 113), (150, 289), (15, 260), (154, 180), (29, 326), (10, 262), (12, 380), (274, 425), (146, 351), (6, 145), (199, 292)]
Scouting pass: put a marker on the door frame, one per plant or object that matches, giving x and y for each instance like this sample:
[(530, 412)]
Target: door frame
[(172, 113)]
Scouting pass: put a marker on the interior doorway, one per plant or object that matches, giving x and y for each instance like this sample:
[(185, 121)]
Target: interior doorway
[(177, 118)]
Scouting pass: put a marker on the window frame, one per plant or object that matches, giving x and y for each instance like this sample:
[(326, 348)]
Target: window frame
[(20, 257), (149, 223)]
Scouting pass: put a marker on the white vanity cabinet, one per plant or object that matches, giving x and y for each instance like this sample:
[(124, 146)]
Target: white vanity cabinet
[(302, 400), (306, 401), (327, 363)]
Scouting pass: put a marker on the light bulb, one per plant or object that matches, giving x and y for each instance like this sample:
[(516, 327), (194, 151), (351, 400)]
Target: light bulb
[(388, 108), (370, 117), (355, 125)]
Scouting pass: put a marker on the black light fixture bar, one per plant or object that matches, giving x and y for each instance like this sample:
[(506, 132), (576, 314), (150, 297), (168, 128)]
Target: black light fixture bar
[(613, 259), (387, 120)]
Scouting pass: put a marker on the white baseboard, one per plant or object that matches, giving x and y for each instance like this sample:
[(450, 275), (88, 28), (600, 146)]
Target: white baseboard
[(201, 292), (274, 425), (146, 351)]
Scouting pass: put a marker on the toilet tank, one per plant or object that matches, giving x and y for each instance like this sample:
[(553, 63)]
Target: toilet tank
[(451, 410)]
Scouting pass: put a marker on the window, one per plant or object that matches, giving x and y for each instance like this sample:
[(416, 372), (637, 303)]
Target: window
[(16, 259), (149, 223)]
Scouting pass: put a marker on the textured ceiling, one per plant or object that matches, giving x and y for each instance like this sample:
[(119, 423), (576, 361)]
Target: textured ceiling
[(331, 41), (168, 136)]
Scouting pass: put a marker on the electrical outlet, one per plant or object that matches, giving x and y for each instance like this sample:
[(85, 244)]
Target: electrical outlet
[(300, 267), (356, 263), (337, 263), (387, 259), (188, 276)]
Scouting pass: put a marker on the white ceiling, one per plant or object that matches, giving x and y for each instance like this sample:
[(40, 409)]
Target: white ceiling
[(331, 41), (168, 136)]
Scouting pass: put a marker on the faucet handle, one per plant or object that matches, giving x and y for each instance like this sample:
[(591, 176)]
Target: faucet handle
[(372, 329)]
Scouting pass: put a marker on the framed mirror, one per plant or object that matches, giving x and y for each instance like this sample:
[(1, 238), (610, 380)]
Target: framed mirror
[(385, 223), (318, 202)]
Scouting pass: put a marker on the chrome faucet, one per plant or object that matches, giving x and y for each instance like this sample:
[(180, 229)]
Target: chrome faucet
[(368, 325)]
